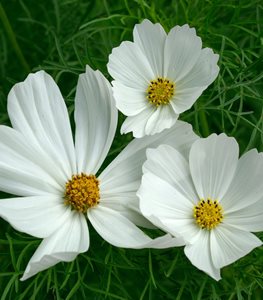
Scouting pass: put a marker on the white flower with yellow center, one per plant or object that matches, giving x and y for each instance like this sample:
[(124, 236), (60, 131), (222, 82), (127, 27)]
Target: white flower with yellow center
[(159, 76), (213, 200), (57, 181)]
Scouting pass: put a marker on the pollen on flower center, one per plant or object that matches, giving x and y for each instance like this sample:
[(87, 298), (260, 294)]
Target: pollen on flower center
[(208, 213), (160, 91), (82, 192)]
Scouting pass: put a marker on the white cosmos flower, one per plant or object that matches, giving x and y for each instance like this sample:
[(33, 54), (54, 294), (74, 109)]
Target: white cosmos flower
[(56, 180), (159, 76), (213, 200)]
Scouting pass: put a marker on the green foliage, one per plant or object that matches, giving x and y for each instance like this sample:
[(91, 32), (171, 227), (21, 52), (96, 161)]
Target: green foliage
[(61, 37)]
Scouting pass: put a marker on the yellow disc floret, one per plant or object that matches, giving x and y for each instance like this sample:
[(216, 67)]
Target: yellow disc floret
[(160, 91), (208, 213), (82, 192)]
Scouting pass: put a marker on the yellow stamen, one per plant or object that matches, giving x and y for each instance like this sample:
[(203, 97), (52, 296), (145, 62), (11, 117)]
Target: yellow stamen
[(160, 91), (82, 192), (208, 213)]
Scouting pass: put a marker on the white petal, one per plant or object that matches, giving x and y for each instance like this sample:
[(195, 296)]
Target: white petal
[(127, 204), (121, 179), (249, 218), (116, 229), (159, 199), (37, 109), (125, 171), (167, 196), (246, 187), (25, 171), (199, 254), (165, 241), (170, 165), (164, 117), (182, 50), (213, 162), (151, 39), (64, 245), (96, 120), (203, 73), (119, 231), (129, 101), (38, 216), (137, 123), (185, 98), (129, 65), (185, 228), (228, 244)]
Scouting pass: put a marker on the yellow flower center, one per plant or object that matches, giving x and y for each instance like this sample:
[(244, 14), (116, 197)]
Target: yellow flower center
[(82, 192), (160, 91), (208, 214)]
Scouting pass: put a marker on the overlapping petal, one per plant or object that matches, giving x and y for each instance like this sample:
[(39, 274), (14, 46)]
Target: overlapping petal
[(130, 100), (96, 120), (185, 98), (136, 70), (151, 39), (116, 229), (24, 170), (249, 218), (228, 244), (155, 122), (126, 167), (181, 52), (127, 204), (203, 72), (173, 208), (170, 165), (121, 179), (137, 123), (36, 109), (39, 216), (194, 82), (213, 163), (245, 188), (199, 253), (121, 232)]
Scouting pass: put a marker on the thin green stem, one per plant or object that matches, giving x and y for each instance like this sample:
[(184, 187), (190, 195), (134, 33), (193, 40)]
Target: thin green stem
[(12, 37), (205, 127)]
